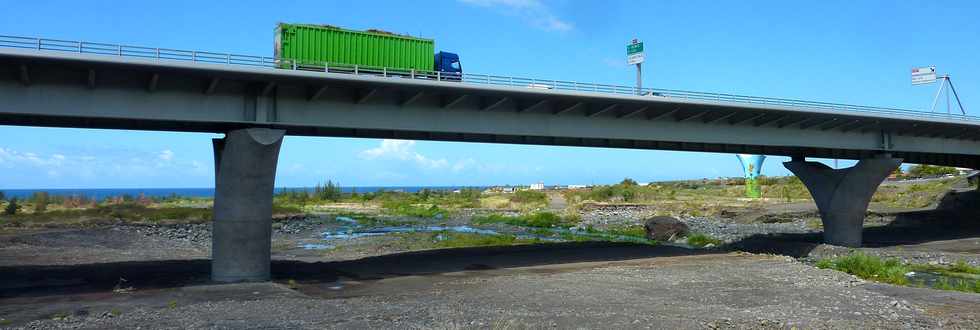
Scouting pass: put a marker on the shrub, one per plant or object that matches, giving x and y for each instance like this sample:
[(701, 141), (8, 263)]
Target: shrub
[(40, 200), (535, 220), (702, 240), (11, 208), (925, 170), (868, 267), (529, 197)]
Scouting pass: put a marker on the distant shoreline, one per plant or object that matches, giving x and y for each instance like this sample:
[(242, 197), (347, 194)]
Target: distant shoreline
[(102, 193)]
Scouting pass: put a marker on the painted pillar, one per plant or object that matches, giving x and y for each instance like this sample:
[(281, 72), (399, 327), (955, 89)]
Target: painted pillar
[(752, 164)]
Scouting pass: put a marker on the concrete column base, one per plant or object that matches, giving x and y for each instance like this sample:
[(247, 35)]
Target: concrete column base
[(245, 175), (842, 195)]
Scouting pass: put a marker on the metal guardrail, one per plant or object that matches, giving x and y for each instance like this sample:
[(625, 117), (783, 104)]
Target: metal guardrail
[(82, 47)]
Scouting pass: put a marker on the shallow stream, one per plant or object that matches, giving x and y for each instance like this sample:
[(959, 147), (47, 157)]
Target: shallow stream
[(352, 229)]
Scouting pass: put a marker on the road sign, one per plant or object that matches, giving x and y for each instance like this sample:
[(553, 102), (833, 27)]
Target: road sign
[(923, 75), (634, 58), (634, 52)]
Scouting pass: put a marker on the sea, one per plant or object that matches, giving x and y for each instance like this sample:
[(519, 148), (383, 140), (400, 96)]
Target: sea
[(103, 193)]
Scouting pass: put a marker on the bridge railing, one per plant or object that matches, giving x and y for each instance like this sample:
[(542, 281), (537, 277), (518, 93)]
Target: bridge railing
[(41, 44)]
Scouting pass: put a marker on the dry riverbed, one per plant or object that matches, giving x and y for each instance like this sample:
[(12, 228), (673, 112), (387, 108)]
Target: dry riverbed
[(156, 276)]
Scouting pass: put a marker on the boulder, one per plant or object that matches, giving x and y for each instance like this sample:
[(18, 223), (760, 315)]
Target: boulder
[(663, 228)]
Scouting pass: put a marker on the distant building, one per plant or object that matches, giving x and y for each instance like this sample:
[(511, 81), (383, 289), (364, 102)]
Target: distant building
[(577, 186), (537, 186), (500, 189)]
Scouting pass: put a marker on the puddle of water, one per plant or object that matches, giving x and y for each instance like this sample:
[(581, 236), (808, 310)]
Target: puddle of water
[(934, 280), (353, 230), (351, 233), (315, 246)]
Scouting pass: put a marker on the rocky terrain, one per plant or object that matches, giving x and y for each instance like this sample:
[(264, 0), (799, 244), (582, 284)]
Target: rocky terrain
[(156, 276)]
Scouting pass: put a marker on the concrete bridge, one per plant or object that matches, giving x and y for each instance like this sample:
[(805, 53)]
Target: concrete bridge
[(256, 101)]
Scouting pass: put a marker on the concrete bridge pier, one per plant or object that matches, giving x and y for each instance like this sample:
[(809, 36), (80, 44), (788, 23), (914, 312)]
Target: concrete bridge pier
[(842, 195), (245, 173)]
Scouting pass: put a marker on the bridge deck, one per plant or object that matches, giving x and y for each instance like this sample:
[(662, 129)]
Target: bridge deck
[(77, 84)]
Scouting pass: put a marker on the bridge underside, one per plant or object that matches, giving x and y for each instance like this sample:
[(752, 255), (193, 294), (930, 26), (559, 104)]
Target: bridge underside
[(91, 92)]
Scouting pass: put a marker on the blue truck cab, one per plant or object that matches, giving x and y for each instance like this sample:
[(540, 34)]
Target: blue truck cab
[(448, 65)]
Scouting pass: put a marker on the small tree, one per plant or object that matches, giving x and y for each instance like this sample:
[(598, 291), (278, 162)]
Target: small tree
[(40, 200), (2, 195), (11, 208), (628, 182)]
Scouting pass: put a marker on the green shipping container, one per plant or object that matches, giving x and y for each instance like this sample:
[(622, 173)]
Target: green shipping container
[(314, 44)]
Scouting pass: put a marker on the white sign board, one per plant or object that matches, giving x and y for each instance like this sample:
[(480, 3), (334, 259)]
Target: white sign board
[(634, 58), (924, 75)]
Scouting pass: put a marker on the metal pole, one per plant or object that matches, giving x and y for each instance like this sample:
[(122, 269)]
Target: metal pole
[(947, 100), (956, 95), (938, 92), (639, 79)]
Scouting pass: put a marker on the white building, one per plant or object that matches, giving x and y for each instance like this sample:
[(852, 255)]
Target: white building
[(537, 186)]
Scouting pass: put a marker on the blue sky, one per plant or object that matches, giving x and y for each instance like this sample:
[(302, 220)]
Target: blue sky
[(834, 51)]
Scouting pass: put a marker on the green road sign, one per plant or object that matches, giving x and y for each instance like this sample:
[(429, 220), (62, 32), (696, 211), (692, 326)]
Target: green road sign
[(634, 48)]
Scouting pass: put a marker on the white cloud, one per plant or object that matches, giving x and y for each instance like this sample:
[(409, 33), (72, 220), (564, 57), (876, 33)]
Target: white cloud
[(403, 150), (92, 169), (532, 11), (166, 155), (463, 164)]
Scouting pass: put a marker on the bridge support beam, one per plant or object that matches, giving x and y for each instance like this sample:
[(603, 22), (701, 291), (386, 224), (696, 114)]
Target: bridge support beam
[(245, 174), (842, 195)]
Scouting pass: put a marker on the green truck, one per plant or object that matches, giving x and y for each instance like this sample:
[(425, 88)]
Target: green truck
[(332, 47)]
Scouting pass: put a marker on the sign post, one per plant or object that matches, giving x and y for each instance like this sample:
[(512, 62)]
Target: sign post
[(927, 75), (634, 55)]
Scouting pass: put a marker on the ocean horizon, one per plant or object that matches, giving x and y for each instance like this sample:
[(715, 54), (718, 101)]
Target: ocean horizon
[(103, 193)]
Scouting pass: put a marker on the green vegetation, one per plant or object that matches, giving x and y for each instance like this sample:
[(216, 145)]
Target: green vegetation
[(959, 285), (405, 207), (40, 201), (534, 220), (624, 230), (128, 212), (529, 197), (913, 195), (448, 239), (957, 277), (924, 170), (869, 267), (957, 269), (702, 240), (11, 208)]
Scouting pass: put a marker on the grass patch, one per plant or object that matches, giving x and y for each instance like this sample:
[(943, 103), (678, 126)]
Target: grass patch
[(893, 271), (374, 222), (959, 269), (408, 209), (702, 240), (105, 214), (533, 220), (631, 231), (449, 239), (869, 267)]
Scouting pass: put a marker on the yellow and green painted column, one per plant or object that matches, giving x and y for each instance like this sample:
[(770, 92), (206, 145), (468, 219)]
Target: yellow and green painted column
[(752, 164)]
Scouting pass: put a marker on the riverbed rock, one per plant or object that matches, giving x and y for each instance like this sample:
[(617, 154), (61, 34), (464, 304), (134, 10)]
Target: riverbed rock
[(663, 228)]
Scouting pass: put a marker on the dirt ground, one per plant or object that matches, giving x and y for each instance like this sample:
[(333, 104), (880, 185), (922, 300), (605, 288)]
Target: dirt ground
[(72, 279), (157, 278)]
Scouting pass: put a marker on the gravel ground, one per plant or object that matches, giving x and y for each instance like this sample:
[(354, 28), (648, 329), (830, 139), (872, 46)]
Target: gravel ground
[(558, 285), (707, 291)]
